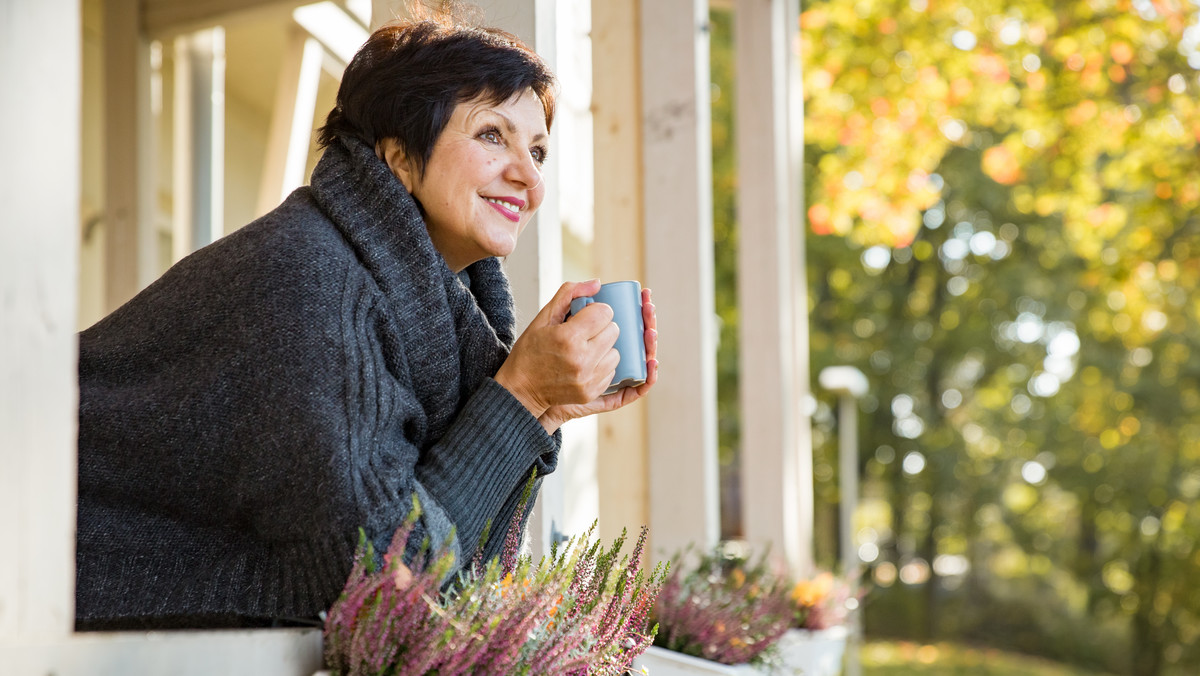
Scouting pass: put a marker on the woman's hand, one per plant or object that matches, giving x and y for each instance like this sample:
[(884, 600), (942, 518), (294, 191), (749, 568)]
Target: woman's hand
[(555, 416), (558, 362), (559, 369)]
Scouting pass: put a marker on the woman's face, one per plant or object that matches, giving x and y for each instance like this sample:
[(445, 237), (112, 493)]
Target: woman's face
[(483, 181)]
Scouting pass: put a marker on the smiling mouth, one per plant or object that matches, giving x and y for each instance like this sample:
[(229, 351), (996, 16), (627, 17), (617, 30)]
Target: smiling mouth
[(509, 210)]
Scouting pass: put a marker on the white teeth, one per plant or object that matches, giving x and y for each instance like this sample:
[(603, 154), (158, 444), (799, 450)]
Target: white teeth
[(511, 207)]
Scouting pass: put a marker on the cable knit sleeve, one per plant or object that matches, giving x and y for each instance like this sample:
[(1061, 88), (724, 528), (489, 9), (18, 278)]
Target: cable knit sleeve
[(471, 475), (477, 471)]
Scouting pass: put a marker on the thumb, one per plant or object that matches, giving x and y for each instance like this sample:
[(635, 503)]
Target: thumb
[(556, 310)]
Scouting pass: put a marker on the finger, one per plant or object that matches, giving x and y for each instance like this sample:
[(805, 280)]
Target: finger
[(608, 365), (593, 325), (606, 333), (556, 310), (600, 400), (651, 340), (589, 288), (628, 395), (649, 315), (651, 379)]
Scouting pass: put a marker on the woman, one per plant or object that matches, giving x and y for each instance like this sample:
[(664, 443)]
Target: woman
[(306, 376)]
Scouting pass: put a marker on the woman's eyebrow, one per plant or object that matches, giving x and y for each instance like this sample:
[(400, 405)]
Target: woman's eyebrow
[(512, 128)]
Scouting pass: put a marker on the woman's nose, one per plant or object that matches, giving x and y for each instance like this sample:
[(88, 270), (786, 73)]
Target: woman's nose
[(524, 170)]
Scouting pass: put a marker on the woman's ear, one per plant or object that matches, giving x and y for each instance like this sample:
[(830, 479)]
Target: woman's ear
[(392, 153)]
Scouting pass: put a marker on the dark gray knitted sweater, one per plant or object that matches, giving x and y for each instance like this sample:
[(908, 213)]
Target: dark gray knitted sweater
[(246, 414)]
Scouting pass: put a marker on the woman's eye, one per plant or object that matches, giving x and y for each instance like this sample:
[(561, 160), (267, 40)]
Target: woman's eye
[(539, 155), (491, 136)]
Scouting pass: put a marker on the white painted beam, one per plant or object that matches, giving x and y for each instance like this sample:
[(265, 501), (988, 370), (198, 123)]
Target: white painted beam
[(573, 127), (166, 19), (676, 162), (39, 256), (776, 448), (128, 156), (290, 134), (259, 652), (535, 267), (334, 27), (199, 143), (618, 251)]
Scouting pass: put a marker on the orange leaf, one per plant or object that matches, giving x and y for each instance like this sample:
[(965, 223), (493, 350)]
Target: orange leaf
[(1001, 165)]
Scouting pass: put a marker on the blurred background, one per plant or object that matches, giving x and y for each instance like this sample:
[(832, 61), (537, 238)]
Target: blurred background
[(1003, 237)]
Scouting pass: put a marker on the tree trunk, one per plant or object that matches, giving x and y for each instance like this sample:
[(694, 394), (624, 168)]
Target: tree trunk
[(1147, 646)]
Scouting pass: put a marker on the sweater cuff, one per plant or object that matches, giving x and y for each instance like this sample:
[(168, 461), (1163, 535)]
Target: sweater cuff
[(488, 453)]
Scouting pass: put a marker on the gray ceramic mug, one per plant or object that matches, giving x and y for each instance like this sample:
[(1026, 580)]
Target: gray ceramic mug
[(625, 299)]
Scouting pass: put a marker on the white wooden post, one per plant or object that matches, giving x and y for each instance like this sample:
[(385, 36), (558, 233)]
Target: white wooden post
[(291, 120), (576, 200), (535, 268), (130, 241), (850, 385), (39, 253), (677, 168), (618, 245), (776, 443), (39, 250), (199, 174)]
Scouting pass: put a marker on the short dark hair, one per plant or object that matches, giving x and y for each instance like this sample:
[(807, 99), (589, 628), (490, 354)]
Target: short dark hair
[(406, 81)]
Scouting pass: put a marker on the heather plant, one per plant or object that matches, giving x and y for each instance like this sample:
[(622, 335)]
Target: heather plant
[(580, 610), (725, 608)]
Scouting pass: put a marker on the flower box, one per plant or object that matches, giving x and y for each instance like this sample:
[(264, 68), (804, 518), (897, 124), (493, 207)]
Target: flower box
[(658, 661), (801, 652), (813, 653)]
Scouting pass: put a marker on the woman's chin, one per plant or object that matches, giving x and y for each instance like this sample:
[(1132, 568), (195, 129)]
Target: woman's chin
[(503, 247)]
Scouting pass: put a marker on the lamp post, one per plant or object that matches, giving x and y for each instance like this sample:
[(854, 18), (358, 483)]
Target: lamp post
[(849, 384)]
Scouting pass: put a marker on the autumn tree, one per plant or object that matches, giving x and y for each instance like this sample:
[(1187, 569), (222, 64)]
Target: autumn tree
[(1002, 202)]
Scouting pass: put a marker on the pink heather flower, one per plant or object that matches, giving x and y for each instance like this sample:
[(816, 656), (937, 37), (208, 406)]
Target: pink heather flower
[(722, 609), (575, 612)]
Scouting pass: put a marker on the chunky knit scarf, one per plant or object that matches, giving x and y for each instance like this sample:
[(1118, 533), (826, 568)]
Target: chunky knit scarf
[(247, 413)]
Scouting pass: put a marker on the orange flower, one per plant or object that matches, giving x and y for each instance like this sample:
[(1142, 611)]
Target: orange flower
[(809, 593), (738, 577)]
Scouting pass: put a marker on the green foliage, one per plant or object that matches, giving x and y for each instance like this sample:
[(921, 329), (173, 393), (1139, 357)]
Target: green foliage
[(1003, 200), (882, 658), (725, 252), (1015, 186)]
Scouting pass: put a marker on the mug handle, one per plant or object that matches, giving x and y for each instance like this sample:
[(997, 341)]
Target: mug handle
[(578, 304)]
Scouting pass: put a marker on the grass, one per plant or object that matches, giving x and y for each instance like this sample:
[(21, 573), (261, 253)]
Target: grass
[(899, 658)]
